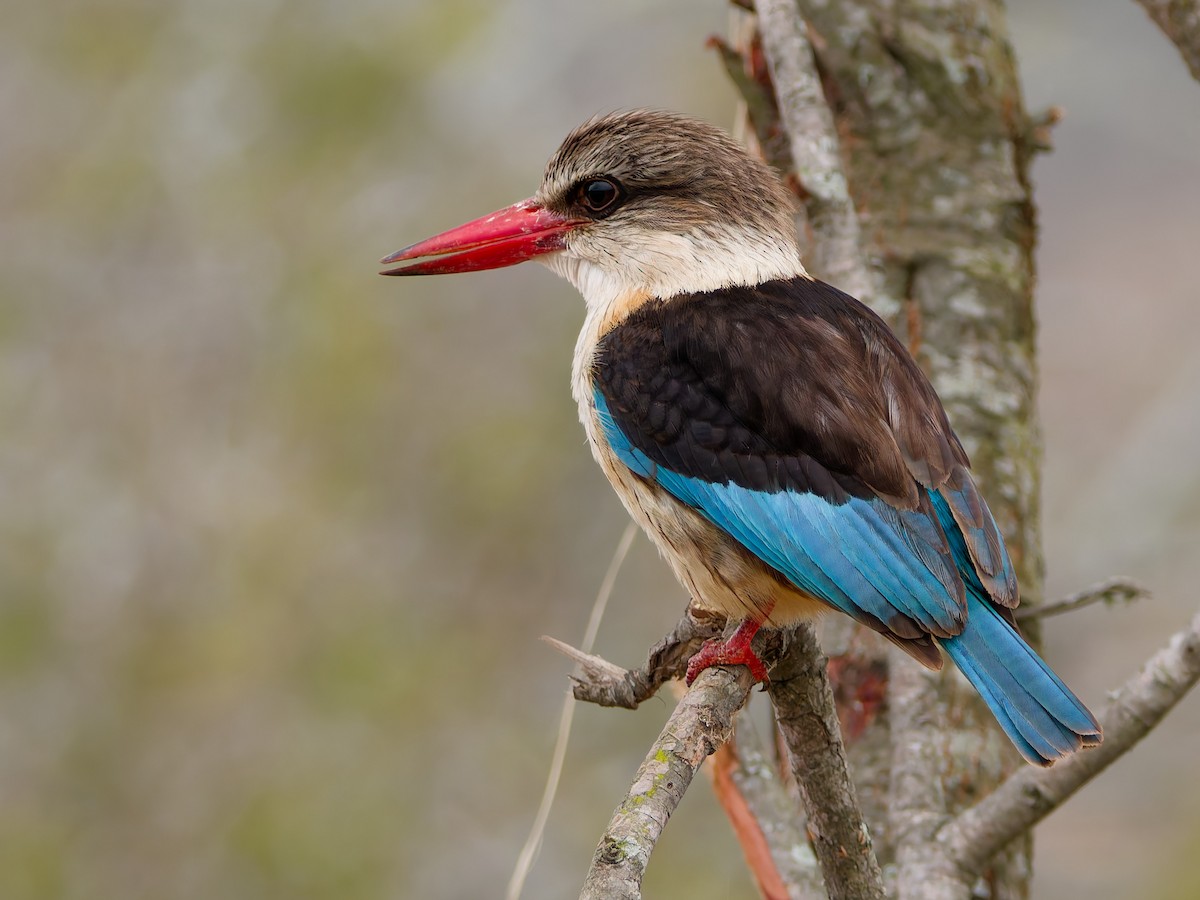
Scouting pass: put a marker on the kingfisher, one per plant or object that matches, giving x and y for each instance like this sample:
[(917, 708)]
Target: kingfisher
[(770, 433)]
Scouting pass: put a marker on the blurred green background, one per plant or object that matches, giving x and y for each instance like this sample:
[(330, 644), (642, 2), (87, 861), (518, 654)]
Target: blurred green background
[(278, 536)]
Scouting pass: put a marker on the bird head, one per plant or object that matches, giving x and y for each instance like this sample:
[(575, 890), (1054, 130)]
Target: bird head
[(643, 203)]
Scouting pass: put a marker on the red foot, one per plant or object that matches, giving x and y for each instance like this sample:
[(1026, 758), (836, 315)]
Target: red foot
[(733, 652)]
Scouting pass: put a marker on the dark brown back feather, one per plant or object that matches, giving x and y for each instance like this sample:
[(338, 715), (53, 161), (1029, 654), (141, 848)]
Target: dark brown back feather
[(789, 384)]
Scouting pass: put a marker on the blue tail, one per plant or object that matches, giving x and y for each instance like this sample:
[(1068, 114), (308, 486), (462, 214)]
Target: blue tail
[(1036, 710)]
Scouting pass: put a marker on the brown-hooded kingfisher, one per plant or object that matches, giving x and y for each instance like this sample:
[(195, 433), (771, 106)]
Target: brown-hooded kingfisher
[(770, 433)]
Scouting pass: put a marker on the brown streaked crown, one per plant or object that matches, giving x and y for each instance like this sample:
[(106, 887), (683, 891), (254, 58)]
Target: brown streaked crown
[(674, 173)]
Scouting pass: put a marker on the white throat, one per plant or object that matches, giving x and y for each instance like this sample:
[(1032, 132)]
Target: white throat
[(656, 265)]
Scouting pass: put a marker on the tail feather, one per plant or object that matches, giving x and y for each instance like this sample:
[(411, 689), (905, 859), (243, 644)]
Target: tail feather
[(1036, 710), (999, 709)]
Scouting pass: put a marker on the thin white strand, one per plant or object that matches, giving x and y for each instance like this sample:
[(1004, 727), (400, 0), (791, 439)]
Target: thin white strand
[(533, 843)]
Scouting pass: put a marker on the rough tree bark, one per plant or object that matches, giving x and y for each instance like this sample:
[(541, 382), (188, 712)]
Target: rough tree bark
[(1180, 21)]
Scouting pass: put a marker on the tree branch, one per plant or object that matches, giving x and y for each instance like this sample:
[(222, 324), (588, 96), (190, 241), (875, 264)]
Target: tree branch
[(816, 155), (808, 720), (701, 723), (1180, 21), (760, 105), (1108, 592), (1029, 795)]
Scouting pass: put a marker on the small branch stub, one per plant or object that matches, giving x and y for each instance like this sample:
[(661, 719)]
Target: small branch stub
[(606, 684)]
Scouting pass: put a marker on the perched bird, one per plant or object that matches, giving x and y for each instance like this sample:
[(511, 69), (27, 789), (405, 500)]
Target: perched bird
[(769, 432)]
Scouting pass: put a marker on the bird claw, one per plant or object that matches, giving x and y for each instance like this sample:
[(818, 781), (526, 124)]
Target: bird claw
[(734, 652)]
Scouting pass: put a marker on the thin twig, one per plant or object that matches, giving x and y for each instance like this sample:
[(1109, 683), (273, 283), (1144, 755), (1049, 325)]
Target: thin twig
[(978, 833), (1109, 592), (701, 723), (808, 720), (1180, 21)]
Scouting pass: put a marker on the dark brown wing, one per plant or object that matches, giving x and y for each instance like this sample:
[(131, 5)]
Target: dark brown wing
[(796, 386)]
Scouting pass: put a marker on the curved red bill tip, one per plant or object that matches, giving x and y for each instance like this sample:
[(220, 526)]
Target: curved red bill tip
[(503, 238)]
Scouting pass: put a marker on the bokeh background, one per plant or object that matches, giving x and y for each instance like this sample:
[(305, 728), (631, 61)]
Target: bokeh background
[(278, 536)]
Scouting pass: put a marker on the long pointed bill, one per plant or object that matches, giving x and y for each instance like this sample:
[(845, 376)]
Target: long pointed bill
[(504, 238)]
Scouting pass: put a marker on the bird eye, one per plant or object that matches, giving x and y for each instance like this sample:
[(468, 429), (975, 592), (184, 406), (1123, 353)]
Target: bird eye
[(599, 195)]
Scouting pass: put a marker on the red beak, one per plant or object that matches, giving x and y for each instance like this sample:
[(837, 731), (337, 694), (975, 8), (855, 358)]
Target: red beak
[(504, 238)]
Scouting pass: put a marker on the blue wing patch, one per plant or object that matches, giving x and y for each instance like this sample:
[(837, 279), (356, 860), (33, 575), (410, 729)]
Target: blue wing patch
[(863, 557)]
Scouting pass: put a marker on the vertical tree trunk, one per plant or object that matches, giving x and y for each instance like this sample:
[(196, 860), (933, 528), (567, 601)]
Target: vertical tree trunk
[(936, 145)]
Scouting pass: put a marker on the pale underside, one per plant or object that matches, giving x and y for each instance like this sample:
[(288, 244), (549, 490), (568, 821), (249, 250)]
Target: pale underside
[(717, 571)]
